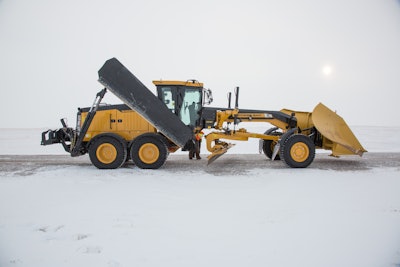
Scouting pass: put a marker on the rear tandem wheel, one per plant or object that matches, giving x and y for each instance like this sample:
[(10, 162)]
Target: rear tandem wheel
[(148, 151), (108, 152)]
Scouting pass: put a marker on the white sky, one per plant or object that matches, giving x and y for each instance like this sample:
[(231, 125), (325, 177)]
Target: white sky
[(283, 54)]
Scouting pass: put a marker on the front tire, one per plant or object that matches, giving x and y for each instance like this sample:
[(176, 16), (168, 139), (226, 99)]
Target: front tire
[(298, 151), (108, 152), (149, 151)]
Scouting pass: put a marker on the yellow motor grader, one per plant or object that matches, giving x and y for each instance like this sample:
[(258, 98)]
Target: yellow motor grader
[(146, 128)]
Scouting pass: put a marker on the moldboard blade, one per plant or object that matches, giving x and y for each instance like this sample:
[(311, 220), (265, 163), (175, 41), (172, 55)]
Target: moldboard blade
[(218, 153), (119, 80)]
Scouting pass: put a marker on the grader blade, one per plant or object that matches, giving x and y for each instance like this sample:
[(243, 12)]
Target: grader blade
[(334, 128), (218, 153)]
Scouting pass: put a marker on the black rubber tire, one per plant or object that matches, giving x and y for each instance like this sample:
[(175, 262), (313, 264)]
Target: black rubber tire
[(268, 146), (297, 151), (149, 151), (108, 152)]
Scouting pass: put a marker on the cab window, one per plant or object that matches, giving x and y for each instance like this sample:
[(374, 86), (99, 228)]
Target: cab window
[(191, 104), (167, 98)]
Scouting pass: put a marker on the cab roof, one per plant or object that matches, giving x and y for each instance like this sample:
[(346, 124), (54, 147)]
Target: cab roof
[(192, 83)]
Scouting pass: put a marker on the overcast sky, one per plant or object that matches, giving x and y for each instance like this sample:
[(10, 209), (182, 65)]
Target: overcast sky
[(283, 54)]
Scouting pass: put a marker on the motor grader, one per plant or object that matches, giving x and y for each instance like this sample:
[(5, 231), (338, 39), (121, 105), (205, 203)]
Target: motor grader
[(146, 128)]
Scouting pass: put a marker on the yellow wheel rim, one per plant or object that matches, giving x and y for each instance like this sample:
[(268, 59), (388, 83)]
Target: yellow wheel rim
[(299, 152), (149, 153), (106, 153)]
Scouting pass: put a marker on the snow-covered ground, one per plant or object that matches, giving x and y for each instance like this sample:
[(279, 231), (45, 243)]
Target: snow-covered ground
[(77, 215)]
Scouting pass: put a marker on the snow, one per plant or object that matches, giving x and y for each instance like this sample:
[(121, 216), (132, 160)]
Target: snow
[(242, 215)]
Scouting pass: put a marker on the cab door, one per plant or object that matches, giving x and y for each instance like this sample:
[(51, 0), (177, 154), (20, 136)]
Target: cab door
[(191, 105)]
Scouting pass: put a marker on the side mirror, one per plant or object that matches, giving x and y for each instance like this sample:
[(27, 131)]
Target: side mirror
[(208, 98)]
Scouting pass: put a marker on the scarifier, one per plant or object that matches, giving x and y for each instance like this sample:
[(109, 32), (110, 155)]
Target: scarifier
[(146, 128)]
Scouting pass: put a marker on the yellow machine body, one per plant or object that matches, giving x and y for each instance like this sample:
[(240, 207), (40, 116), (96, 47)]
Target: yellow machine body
[(335, 133), (126, 123)]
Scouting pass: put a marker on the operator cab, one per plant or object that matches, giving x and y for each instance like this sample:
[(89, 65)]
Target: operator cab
[(185, 99)]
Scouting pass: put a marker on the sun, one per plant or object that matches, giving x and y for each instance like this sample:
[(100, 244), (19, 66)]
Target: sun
[(327, 70)]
